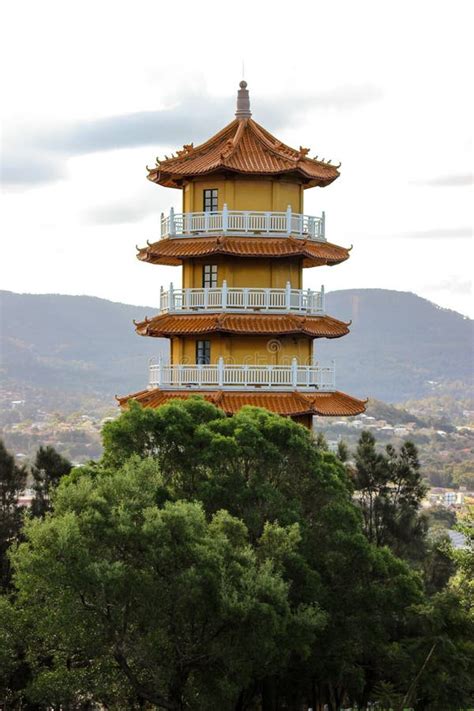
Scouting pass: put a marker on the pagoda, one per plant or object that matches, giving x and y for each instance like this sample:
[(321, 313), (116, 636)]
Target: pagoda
[(242, 327)]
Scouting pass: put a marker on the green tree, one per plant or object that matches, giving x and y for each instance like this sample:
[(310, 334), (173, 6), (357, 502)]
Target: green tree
[(48, 468), (342, 451), (134, 597), (389, 489), (214, 561), (12, 483), (265, 469), (463, 581)]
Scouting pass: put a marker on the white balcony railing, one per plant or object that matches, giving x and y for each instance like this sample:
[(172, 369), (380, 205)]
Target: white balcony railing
[(242, 377), (223, 298), (244, 222)]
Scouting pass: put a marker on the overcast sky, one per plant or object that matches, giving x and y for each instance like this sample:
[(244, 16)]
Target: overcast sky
[(94, 91)]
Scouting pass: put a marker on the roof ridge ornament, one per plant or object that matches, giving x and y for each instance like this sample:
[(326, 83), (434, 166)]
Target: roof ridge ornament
[(243, 102)]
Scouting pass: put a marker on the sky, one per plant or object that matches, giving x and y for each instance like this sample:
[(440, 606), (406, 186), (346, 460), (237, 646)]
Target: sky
[(92, 92)]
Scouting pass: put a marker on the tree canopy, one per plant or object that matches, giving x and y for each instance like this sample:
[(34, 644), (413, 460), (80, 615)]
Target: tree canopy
[(212, 561)]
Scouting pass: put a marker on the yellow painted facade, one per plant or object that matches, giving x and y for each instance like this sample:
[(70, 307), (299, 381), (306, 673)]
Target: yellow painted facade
[(246, 350), (243, 193), (242, 272)]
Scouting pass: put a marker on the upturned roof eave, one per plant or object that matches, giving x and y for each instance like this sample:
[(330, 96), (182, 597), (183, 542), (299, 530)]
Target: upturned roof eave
[(173, 251), (328, 404), (173, 325)]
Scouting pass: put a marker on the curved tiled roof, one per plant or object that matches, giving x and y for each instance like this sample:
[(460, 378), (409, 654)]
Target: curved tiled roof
[(168, 325), (291, 404), (173, 251), (244, 147)]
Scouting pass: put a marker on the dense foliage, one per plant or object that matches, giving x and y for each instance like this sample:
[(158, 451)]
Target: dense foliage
[(208, 561)]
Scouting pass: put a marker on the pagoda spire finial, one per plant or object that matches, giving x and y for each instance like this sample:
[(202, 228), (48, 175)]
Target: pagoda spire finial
[(243, 101)]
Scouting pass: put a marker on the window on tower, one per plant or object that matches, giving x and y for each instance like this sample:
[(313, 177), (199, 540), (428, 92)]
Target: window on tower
[(203, 352), (209, 275), (210, 200)]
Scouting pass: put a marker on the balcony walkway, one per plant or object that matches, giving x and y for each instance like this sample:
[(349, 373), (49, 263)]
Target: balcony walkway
[(243, 222), (243, 377), (242, 300)]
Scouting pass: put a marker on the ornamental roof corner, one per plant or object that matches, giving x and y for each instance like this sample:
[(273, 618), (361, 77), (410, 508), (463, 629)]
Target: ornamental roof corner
[(243, 147)]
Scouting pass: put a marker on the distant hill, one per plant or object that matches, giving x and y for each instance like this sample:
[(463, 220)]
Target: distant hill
[(398, 343), (77, 342)]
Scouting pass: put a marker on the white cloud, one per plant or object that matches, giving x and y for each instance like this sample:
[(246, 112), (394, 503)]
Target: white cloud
[(364, 83)]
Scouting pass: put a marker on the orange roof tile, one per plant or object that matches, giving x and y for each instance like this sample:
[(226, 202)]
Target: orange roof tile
[(174, 250), (245, 147), (168, 325), (335, 404)]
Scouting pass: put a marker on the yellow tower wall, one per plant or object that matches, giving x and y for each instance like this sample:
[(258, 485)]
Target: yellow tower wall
[(250, 350), (245, 194), (241, 193), (238, 272)]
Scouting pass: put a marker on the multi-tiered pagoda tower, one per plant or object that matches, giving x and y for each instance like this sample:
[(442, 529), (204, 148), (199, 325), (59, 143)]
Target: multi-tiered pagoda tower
[(242, 326)]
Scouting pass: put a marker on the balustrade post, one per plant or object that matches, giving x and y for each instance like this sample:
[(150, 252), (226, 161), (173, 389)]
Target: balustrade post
[(225, 218), (162, 229), (322, 298), (267, 299), (171, 297), (246, 298), (300, 219), (288, 296), (323, 225), (161, 298), (172, 225), (246, 221), (267, 222), (206, 297), (224, 294), (220, 371), (288, 219), (294, 372), (158, 376)]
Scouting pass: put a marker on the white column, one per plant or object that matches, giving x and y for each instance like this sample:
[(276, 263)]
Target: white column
[(323, 226), (158, 372), (288, 219), (206, 296), (161, 298), (220, 371), (294, 372), (323, 309), (162, 227), (171, 298), (288, 296), (225, 218), (267, 222), (172, 225), (246, 297), (224, 294)]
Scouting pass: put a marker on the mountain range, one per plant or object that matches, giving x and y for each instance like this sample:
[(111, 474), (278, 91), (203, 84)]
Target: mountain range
[(400, 346)]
